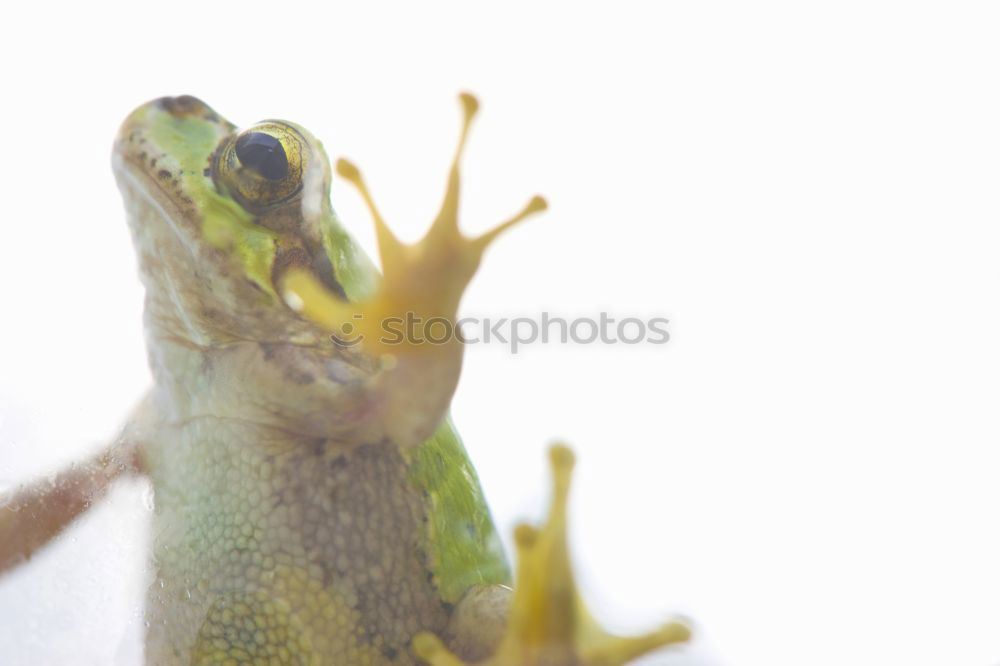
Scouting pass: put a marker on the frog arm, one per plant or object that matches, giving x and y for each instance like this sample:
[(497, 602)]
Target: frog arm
[(409, 324), (544, 620), (32, 516)]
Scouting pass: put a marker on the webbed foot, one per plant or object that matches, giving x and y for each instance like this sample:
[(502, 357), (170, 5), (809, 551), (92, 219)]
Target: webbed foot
[(548, 623), (410, 322), (423, 281)]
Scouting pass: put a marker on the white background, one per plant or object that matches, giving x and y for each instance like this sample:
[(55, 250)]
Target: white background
[(807, 190)]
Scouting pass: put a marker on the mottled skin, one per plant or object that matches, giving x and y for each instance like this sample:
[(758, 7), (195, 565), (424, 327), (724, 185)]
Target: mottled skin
[(313, 504), (289, 523)]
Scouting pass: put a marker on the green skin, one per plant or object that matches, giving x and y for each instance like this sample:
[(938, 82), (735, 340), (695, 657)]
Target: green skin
[(313, 503), (291, 523)]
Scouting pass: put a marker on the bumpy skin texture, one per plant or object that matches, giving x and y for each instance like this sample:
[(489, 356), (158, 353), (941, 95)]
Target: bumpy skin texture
[(267, 541), (292, 525), (313, 503)]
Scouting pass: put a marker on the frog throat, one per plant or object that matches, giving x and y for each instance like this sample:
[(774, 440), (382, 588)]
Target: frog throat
[(422, 282)]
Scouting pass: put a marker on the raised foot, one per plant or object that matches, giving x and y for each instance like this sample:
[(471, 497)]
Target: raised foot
[(548, 623), (421, 283)]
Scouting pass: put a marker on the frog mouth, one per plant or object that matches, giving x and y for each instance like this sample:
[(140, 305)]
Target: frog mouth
[(141, 179)]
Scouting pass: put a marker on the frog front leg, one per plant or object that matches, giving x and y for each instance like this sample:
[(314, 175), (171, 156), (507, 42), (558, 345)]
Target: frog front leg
[(543, 621), (420, 291), (34, 515)]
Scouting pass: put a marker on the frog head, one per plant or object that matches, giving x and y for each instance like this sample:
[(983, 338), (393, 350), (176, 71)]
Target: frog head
[(219, 215), (238, 242)]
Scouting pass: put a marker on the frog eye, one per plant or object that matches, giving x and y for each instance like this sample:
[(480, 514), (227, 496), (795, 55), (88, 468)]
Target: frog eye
[(263, 165)]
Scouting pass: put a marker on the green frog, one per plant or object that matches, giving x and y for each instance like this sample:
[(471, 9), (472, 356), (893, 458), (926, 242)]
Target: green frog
[(313, 501)]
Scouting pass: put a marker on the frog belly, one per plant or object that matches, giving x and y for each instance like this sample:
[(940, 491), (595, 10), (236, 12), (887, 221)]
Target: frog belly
[(275, 548)]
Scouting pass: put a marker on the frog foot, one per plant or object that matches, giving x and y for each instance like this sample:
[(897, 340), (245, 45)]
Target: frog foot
[(548, 623), (422, 283)]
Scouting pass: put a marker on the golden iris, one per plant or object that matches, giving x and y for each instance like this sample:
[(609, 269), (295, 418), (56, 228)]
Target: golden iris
[(263, 165)]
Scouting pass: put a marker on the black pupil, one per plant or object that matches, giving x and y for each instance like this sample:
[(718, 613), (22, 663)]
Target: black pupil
[(262, 153)]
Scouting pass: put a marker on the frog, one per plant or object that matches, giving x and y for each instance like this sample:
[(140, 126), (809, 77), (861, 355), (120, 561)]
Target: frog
[(313, 500)]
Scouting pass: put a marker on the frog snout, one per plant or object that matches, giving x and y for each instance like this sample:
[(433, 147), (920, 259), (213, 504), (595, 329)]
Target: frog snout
[(172, 117), (186, 105)]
